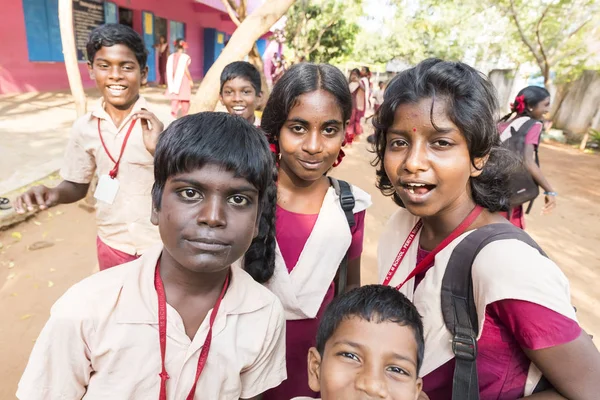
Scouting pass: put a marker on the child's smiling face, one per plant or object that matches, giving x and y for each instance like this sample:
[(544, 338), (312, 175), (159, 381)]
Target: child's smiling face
[(430, 168), (240, 98), (366, 360), (311, 137), (118, 75), (208, 218)]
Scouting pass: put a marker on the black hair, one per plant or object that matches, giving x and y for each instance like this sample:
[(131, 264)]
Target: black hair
[(244, 70), (195, 140), (367, 69), (108, 35), (372, 303), (470, 102), (354, 71), (298, 80), (533, 95)]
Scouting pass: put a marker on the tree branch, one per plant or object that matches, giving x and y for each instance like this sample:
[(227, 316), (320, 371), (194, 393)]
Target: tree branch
[(568, 36), (546, 69), (231, 12), (522, 34), (564, 56), (321, 33)]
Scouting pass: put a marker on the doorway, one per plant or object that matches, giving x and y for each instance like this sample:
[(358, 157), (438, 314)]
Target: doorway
[(126, 16)]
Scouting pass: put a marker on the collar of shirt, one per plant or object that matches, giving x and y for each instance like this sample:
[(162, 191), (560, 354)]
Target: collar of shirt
[(100, 112), (138, 301)]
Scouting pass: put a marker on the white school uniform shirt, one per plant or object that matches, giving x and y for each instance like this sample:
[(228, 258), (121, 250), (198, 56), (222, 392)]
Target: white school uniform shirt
[(504, 269), (302, 291), (125, 224), (102, 342)]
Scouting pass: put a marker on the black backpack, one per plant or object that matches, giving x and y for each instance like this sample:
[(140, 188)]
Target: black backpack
[(523, 187), (458, 305), (344, 191)]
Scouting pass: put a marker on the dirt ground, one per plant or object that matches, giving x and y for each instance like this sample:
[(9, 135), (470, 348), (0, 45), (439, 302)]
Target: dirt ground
[(31, 280)]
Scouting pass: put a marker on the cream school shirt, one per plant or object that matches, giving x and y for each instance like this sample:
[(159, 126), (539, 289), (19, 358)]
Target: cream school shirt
[(504, 269), (102, 342), (124, 225)]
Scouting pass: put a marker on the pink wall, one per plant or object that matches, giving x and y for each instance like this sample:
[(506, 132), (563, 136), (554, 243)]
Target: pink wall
[(18, 74)]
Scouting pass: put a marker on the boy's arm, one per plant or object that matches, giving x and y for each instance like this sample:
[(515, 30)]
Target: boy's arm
[(269, 370), (77, 171), (59, 366), (45, 197)]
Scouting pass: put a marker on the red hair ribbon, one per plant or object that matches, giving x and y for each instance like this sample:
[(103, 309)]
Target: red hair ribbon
[(519, 104), (340, 157), (181, 43)]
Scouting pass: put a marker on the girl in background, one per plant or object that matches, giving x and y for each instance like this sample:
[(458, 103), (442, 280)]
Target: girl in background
[(532, 102), (163, 55), (179, 79), (305, 119), (358, 89)]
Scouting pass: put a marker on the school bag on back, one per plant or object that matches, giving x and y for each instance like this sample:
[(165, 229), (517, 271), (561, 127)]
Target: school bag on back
[(523, 187), (458, 305)]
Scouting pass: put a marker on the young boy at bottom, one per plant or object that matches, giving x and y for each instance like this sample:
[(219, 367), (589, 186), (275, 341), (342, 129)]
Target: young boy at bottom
[(179, 322), (241, 90), (116, 140), (369, 346)]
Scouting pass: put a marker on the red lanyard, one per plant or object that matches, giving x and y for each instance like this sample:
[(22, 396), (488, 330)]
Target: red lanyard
[(162, 332), (113, 172), (426, 262)]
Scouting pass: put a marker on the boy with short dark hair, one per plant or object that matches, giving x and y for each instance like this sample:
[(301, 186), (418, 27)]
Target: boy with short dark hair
[(369, 345), (241, 90), (183, 321), (111, 141)]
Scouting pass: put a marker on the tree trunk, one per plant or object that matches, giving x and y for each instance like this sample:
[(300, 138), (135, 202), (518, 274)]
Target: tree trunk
[(547, 80), (255, 59), (241, 43), (584, 141), (65, 16)]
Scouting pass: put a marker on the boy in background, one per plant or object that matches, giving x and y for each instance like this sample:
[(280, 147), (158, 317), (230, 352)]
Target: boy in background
[(117, 140), (369, 345), (241, 90)]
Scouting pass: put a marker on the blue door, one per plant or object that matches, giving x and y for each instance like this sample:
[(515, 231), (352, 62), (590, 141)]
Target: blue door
[(111, 14), (148, 28)]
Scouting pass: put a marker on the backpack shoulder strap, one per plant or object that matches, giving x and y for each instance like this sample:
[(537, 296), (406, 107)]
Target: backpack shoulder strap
[(522, 131), (458, 304), (344, 192)]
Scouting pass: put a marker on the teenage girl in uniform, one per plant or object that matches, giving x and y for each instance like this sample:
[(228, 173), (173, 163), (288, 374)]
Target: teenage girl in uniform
[(438, 155), (305, 120)]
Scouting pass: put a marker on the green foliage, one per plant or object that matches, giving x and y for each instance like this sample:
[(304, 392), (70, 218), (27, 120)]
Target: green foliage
[(453, 30), (553, 34), (322, 30)]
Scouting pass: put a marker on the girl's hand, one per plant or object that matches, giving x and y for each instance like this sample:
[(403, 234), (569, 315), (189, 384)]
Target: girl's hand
[(151, 131), (550, 204)]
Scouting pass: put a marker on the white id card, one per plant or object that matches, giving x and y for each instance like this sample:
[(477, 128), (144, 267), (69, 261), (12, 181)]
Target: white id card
[(107, 189)]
